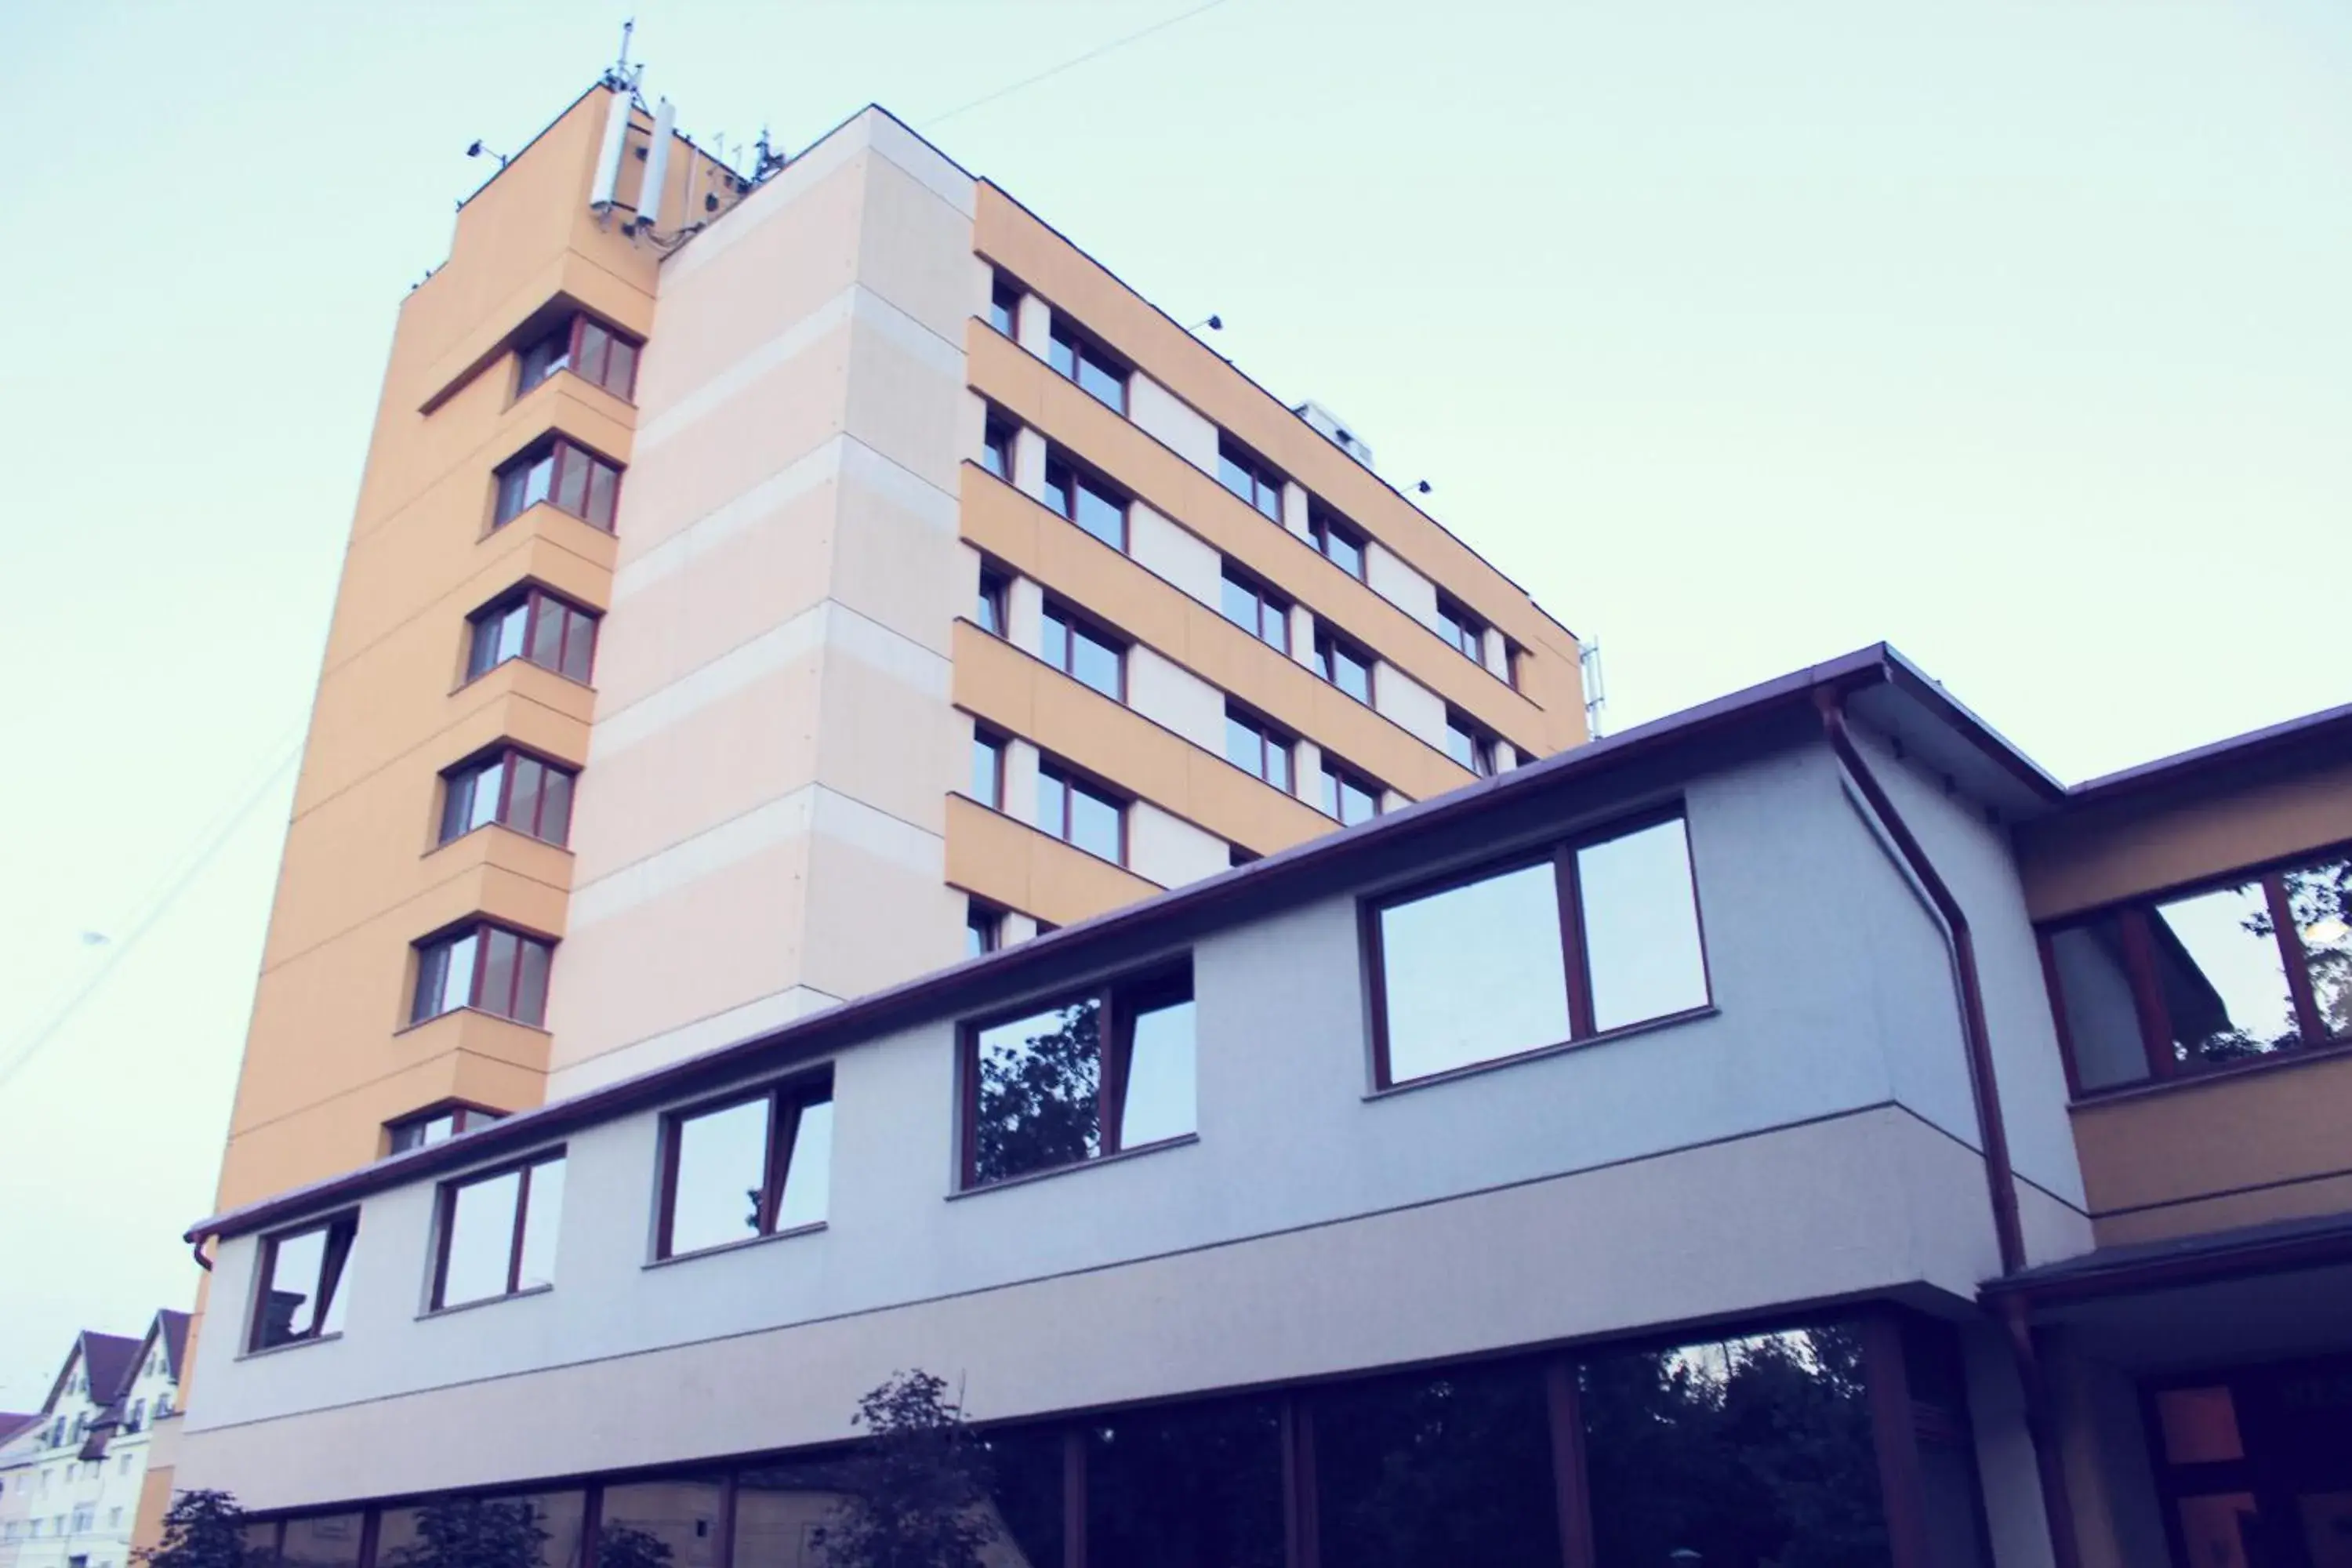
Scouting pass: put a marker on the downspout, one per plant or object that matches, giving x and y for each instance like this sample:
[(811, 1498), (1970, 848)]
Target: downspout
[(2001, 1176)]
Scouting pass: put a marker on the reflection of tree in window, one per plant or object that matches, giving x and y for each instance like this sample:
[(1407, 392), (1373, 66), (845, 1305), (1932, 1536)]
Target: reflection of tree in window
[(2319, 900), (1451, 1469), (1038, 1105), (468, 1532), (1748, 1452), (2223, 981), (1187, 1485)]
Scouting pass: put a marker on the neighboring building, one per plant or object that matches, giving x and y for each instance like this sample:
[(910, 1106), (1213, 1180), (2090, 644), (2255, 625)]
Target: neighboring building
[(71, 1475), (1798, 1130)]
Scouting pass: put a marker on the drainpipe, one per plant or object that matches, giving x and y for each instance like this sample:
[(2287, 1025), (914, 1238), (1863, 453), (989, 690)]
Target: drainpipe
[(2001, 1176)]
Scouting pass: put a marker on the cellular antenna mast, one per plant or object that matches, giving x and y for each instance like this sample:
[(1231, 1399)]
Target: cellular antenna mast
[(620, 76)]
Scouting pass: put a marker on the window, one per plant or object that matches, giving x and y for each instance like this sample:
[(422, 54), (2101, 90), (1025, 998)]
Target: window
[(989, 612), (983, 929), (988, 770), (1259, 749), (137, 1417), (752, 1167), (996, 443), (557, 1516), (1079, 815), (1085, 500), (83, 1516), (1340, 542), (552, 632), (2240, 971), (1084, 654), (589, 350), (1004, 306), (485, 967), (1041, 1091), (1450, 1466), (497, 1232), (1257, 609), (438, 1126), (1348, 795), (570, 478), (1243, 472), (163, 1405), (1097, 375), (1601, 933), (301, 1272), (1196, 1485), (1469, 743), (1465, 631), (512, 788), (1345, 665)]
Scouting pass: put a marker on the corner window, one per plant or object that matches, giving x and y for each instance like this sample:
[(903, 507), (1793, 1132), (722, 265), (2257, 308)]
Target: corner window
[(1090, 502), (301, 1274), (996, 441), (590, 350), (1257, 748), (438, 1126), (2240, 970), (1601, 933), (1004, 305), (497, 1232), (568, 477), (485, 967), (1340, 542), (1257, 609), (552, 632), (1081, 816), (1085, 362), (1248, 476), (1108, 1070), (1084, 654), (988, 770), (1347, 795), (989, 612), (755, 1166), (1464, 630), (983, 927), (1469, 743), (512, 788), (1345, 665)]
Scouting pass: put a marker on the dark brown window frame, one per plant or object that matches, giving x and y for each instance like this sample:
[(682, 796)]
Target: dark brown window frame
[(1122, 998), (1323, 524), (1484, 743), (1265, 601), (1264, 480), (994, 601), (1471, 625), (444, 1214), (983, 736), (565, 452), (1087, 351), (1271, 737), (1331, 646), (504, 756), (464, 1114), (341, 1230), (1004, 293), (2148, 993), (1074, 622), (1070, 778), (1560, 853), (1000, 436), (533, 600), (574, 360), (482, 930), (786, 1099), (1346, 773), (1075, 473), (987, 919)]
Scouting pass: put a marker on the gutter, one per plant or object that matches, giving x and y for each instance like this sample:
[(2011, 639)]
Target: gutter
[(2001, 1175)]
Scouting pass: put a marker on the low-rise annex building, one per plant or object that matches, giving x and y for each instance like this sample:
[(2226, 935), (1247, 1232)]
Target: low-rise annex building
[(1798, 1129), (71, 1475)]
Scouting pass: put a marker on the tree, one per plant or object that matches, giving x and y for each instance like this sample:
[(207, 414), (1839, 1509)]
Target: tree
[(470, 1532), (915, 1493), (626, 1546), (1039, 1102), (203, 1530)]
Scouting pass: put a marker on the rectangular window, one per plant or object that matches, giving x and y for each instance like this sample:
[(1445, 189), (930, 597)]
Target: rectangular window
[(438, 1126), (983, 927), (1348, 795), (556, 1517), (1004, 306), (1469, 743), (1248, 476), (1465, 631), (301, 1273), (1085, 500), (570, 478), (2239, 971), (1081, 815), (552, 632), (1259, 749), (485, 967), (757, 1166), (1345, 665), (1085, 362), (1340, 542), (587, 348), (1601, 933), (1257, 609), (988, 770), (497, 1232), (996, 440), (989, 610), (1041, 1091), (512, 788), (1084, 654), (1451, 1467)]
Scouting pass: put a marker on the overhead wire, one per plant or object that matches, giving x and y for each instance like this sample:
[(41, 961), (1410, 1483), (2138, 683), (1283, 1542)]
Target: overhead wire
[(1072, 63)]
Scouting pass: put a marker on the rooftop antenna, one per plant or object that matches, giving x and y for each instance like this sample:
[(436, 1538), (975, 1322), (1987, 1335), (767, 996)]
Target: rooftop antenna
[(1596, 687), (620, 76)]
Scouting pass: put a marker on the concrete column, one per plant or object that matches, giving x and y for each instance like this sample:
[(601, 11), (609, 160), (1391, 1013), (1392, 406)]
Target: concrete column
[(1018, 928), (1033, 327), (1024, 617), (1029, 463), (1294, 509), (1307, 773), (1393, 801), (1506, 756), (1302, 635), (1021, 781), (1497, 649)]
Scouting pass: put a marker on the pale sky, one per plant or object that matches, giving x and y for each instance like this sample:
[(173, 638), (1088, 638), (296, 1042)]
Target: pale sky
[(2017, 334)]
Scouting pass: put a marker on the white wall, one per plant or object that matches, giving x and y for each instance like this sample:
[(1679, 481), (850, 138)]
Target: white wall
[(1160, 412), (1170, 695), (1407, 703), (1160, 546), (1400, 584), (1171, 851)]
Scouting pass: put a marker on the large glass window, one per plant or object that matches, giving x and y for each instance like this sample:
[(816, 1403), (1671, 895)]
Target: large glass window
[(485, 967), (1469, 742), (996, 444), (301, 1273), (436, 1126), (510, 788), (497, 1234), (1189, 1486), (1345, 665), (1257, 609), (1454, 1469), (540, 1529), (1340, 542), (588, 349), (988, 770), (2188, 982), (1085, 362), (1084, 654), (989, 611), (569, 476), (1250, 477), (321, 1540), (1041, 1091), (1745, 1451), (536, 626), (1079, 815), (758, 1166), (1004, 306), (661, 1524), (1090, 502), (1026, 1470), (1257, 749), (1348, 795), (1465, 632), (1601, 933)]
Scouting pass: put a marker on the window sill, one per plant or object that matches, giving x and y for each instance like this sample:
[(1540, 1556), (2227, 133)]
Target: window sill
[(1026, 1177), (303, 1343), (477, 1012), (2091, 1098), (485, 1302), (1492, 1064), (749, 1241)]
